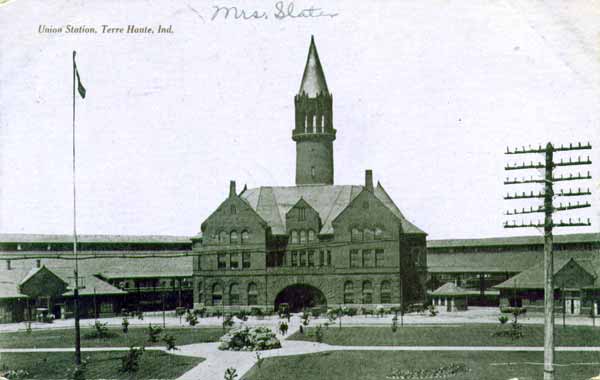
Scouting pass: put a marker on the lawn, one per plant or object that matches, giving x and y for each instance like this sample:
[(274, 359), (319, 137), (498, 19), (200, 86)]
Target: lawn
[(137, 336), (453, 335), (101, 365), (377, 365)]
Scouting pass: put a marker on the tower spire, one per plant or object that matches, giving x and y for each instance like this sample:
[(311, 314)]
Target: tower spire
[(313, 132), (313, 80)]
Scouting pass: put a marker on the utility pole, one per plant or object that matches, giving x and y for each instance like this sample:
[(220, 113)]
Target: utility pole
[(548, 209)]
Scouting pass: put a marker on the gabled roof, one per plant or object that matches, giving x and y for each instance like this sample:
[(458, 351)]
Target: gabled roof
[(450, 289), (533, 278), (273, 203), (313, 80)]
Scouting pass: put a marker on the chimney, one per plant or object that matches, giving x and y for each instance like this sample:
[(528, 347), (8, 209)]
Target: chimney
[(369, 180), (38, 263), (8, 266), (232, 192)]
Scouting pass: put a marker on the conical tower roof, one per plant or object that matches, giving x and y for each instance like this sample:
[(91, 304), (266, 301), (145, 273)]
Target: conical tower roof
[(313, 80)]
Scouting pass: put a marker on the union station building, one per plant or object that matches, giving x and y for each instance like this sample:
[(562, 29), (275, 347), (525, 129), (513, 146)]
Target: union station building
[(313, 244)]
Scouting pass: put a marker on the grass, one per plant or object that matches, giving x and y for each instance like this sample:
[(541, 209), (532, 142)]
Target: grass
[(461, 335), (377, 365), (58, 338), (101, 365)]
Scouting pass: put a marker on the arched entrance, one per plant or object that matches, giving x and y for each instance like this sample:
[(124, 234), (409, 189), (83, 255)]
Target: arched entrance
[(300, 297)]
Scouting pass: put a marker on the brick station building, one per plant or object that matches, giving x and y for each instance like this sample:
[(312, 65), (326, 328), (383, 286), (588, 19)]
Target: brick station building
[(312, 244)]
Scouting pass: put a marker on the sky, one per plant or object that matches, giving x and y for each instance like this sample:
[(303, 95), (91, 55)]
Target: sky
[(427, 94)]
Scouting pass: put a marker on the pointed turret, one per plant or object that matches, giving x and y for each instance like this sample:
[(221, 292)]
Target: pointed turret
[(314, 132), (313, 80)]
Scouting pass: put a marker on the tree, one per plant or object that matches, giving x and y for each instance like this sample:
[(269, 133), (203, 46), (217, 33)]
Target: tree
[(230, 373)]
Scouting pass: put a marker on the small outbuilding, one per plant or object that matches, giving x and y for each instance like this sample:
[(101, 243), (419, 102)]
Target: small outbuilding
[(452, 296)]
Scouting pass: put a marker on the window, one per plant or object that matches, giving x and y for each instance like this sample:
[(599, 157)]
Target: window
[(302, 258), (354, 258), (321, 258), (234, 260), (302, 237), (348, 292), (221, 261), (232, 209), (378, 233), (252, 294), (379, 258), (245, 260), (223, 237), (386, 292), (367, 296), (311, 236), (312, 171), (301, 214), (365, 204), (200, 291), (367, 258), (294, 237), (328, 257), (233, 237), (294, 258), (245, 237), (356, 235), (311, 258), (234, 294), (217, 294), (106, 307), (369, 234)]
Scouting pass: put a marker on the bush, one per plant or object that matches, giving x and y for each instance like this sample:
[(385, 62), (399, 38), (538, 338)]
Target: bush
[(169, 342), (256, 312), (16, 374), (125, 325), (230, 374), (350, 311), (153, 333), (199, 313), (227, 322), (191, 318), (395, 323), (100, 332), (249, 339), (217, 313), (242, 315), (319, 334), (130, 363), (503, 319), (305, 318), (432, 311)]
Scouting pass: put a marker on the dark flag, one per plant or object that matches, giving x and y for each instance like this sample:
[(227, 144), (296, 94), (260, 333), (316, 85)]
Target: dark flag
[(80, 87)]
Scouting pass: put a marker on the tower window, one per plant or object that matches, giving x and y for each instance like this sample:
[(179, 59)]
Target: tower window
[(312, 171), (232, 209), (301, 214), (314, 126)]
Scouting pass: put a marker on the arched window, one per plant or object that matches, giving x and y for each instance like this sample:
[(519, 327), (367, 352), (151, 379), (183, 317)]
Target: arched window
[(233, 237), (217, 294), (245, 236), (294, 237), (223, 237), (302, 237), (311, 236), (369, 234), (348, 292), (356, 234), (367, 292), (234, 294), (378, 233), (386, 292), (314, 126), (252, 294)]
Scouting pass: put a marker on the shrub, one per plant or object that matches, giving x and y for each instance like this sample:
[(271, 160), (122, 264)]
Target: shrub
[(319, 334), (242, 315), (395, 323), (256, 312), (350, 311), (380, 310), (230, 373), (169, 342), (125, 325), (503, 319), (130, 363), (432, 311), (16, 374), (315, 312), (249, 339), (191, 318), (227, 322), (217, 313), (100, 332), (305, 318), (153, 333), (200, 312)]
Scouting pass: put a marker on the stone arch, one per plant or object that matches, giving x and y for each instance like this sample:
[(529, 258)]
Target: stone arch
[(300, 297)]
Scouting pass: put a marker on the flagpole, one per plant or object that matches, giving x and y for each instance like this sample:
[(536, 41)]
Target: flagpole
[(76, 272)]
